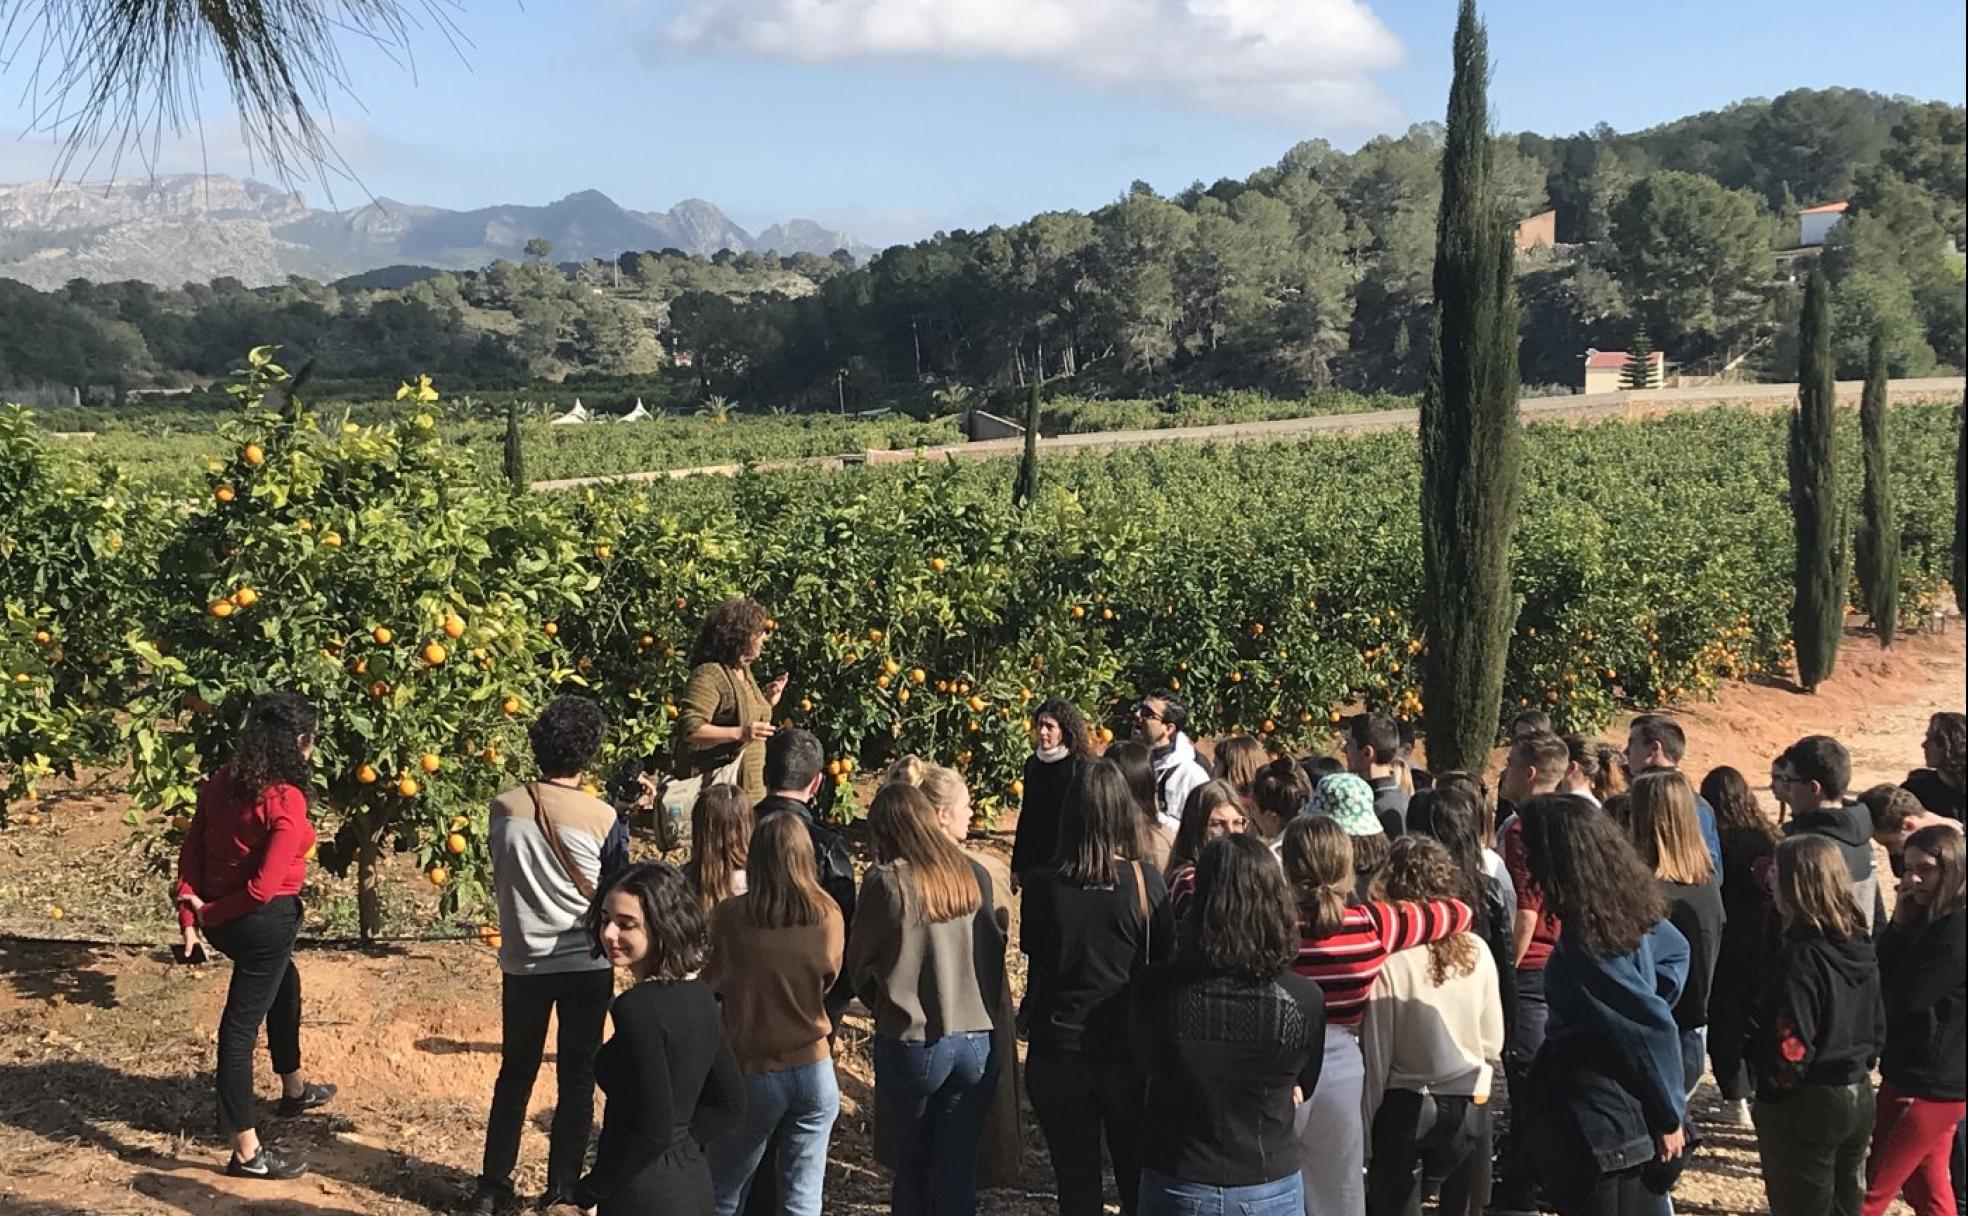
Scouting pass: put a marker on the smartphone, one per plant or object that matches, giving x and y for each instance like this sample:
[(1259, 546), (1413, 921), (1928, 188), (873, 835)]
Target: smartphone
[(195, 958)]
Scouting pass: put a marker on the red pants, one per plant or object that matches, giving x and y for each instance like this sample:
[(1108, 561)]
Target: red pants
[(1912, 1139)]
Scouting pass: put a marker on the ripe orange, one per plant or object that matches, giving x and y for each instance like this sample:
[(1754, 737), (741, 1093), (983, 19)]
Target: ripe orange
[(917, 675), (938, 564), (430, 762), (509, 706), (407, 786), (646, 641), (454, 843), (435, 654), (245, 597), (1078, 612), (806, 705), (1106, 614), (43, 637), (604, 552), (1017, 787), (220, 608), (332, 539), (1106, 734), (833, 768), (1236, 677), (874, 637), (881, 682), (254, 455), (224, 494), (976, 705), (437, 875), (902, 695), (681, 603), (890, 667), (454, 627), (552, 629), (382, 635), (490, 755), (366, 774)]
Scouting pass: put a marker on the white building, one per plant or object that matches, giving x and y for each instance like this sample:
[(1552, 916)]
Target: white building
[(1814, 224)]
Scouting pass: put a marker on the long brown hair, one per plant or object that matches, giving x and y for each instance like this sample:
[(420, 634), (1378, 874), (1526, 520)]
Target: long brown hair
[(1814, 889), (1589, 873), (937, 878), (1944, 844), (1098, 824), (1193, 833), (1661, 810), (1237, 760), (720, 835), (782, 880), (1241, 921), (1318, 857), (1420, 870)]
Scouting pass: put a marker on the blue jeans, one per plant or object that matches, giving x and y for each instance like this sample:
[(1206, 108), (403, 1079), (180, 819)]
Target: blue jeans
[(798, 1107), (1694, 1051), (936, 1096), (1165, 1196)]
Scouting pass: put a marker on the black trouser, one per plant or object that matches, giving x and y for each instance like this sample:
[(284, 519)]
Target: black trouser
[(581, 999), (1622, 1194), (1738, 978), (265, 987), (1523, 1037), (1813, 1143), (1076, 1096), (1417, 1134)]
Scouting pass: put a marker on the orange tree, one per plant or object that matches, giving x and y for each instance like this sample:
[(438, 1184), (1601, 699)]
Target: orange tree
[(371, 570), (68, 577)]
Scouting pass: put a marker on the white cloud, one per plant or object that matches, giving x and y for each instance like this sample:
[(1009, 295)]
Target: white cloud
[(1284, 58)]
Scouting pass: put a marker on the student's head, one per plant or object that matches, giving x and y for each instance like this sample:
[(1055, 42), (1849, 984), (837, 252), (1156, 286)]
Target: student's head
[(1447, 816), (944, 787), (1814, 889), (720, 835), (1059, 723), (1242, 921), (1372, 743), (1946, 746), (1591, 877), (1530, 722), (1654, 741), (1728, 794), (793, 763), (733, 633), (1278, 792), (1098, 823), (1349, 801), (1585, 761), (1159, 717), (274, 742), (1665, 829), (1321, 766), (1812, 772), (782, 879), (567, 735), (1896, 815), (1237, 760), (1478, 791), (1934, 871), (1137, 765), (1318, 860), (1212, 811), (1537, 764), (1420, 870), (935, 876), (647, 919)]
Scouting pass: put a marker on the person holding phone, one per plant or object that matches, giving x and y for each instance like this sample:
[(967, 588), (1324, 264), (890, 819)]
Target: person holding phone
[(240, 873), (724, 717)]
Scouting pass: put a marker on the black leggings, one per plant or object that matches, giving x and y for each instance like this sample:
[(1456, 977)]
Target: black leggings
[(265, 987), (1421, 1138)]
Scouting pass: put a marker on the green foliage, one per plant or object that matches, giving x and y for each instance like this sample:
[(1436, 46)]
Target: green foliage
[(1471, 444), (1818, 610), (1876, 545), (1959, 567), (1027, 482), (514, 465), (1638, 374), (1694, 260)]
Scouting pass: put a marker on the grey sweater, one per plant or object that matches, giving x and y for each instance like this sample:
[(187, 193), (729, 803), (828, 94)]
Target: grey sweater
[(921, 980), (542, 914)]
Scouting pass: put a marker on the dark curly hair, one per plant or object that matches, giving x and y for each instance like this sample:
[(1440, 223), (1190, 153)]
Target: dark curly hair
[(1242, 922), (567, 735), (268, 750), (671, 917), (1072, 725), (1728, 794), (727, 631), (1591, 875)]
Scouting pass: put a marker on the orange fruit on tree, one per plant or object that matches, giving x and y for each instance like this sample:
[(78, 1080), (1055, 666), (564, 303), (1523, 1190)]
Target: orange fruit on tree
[(881, 681), (430, 762), (225, 494), (220, 608), (976, 705), (553, 630), (332, 539), (1106, 734), (459, 823), (254, 455), (382, 635), (938, 564), (902, 695), (454, 627), (43, 637), (833, 768), (917, 675), (509, 706), (1106, 614), (1017, 787), (454, 843), (890, 667), (646, 641), (875, 636), (1078, 612), (407, 786), (437, 875), (490, 755), (604, 552), (435, 654), (365, 774), (379, 689)]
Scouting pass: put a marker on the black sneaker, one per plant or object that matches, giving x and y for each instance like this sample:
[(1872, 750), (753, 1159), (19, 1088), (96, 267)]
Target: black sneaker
[(311, 1096), (265, 1164)]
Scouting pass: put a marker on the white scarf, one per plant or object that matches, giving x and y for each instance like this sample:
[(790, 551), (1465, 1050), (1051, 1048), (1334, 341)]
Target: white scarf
[(1051, 755)]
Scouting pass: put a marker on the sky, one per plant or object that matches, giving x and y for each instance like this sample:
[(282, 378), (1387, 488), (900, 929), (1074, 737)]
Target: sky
[(891, 119)]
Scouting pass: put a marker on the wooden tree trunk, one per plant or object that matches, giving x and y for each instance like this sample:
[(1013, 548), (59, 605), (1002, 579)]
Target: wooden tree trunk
[(368, 879)]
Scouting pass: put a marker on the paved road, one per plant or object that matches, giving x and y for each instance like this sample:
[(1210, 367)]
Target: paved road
[(1593, 408)]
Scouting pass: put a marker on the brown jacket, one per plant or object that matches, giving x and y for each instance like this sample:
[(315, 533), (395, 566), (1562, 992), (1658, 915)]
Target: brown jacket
[(722, 696), (773, 983)]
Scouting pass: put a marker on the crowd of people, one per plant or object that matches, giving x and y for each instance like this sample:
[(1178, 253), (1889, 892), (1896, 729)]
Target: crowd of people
[(1257, 984)]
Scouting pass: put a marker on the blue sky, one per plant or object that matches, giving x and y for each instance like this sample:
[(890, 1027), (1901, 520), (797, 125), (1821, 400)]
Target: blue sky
[(892, 118)]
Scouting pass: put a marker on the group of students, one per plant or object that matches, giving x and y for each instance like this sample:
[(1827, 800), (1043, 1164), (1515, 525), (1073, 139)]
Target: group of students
[(1264, 985)]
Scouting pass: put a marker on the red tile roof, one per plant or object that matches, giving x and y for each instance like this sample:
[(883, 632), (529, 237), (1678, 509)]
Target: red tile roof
[(1823, 208), (1605, 359)]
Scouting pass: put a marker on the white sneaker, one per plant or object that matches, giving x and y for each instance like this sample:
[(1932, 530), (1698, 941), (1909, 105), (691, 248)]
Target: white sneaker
[(1735, 1113)]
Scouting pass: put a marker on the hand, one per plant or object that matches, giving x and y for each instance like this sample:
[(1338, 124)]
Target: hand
[(1298, 1096), (196, 905), (190, 939), (1673, 1144), (650, 788), (751, 732), (777, 688)]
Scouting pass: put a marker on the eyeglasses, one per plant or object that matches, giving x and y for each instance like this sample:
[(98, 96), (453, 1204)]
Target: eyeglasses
[(1144, 712)]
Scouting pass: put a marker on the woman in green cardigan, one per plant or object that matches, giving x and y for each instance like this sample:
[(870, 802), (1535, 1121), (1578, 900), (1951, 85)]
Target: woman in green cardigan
[(724, 714)]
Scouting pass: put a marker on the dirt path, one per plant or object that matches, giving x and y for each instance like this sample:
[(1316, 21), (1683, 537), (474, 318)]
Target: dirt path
[(105, 1103)]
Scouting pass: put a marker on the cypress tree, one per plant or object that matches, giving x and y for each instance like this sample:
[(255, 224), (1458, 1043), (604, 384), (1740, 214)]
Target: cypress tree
[(515, 456), (1877, 544), (1027, 483), (1639, 370), (1961, 507), (1817, 614), (1471, 447)]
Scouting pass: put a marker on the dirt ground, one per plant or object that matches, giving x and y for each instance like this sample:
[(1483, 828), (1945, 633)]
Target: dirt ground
[(105, 1051)]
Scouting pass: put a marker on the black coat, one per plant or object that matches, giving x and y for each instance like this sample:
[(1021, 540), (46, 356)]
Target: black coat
[(1047, 787), (1923, 969)]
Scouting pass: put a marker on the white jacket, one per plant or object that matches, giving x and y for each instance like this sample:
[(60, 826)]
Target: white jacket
[(1175, 775)]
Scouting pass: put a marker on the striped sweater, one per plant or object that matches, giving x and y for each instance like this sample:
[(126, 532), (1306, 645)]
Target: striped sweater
[(1346, 963)]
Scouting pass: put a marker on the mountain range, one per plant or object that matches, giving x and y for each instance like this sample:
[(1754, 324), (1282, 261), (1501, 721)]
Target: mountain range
[(191, 228)]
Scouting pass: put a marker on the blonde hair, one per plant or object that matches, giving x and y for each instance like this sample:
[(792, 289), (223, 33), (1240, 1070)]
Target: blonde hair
[(1318, 859), (938, 881), (942, 786), (1814, 889), (1665, 829)]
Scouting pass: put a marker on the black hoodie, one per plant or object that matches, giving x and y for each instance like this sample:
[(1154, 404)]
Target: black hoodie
[(1820, 1020), (1924, 968), (1850, 828)]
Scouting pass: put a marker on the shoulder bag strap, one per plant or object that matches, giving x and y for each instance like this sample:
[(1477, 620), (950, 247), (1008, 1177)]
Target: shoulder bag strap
[(551, 831)]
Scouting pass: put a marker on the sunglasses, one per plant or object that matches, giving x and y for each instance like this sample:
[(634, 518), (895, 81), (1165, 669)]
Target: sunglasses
[(1144, 712)]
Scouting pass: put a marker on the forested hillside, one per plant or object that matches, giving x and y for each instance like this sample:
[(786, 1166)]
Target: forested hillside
[(1310, 273)]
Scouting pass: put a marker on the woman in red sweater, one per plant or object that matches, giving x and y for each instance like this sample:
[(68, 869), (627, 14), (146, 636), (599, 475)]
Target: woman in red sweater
[(239, 879)]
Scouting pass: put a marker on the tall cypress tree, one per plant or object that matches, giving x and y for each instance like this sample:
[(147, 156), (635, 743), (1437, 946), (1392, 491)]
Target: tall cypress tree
[(1027, 483), (1471, 447), (1817, 614), (1877, 544), (1639, 370), (515, 457)]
